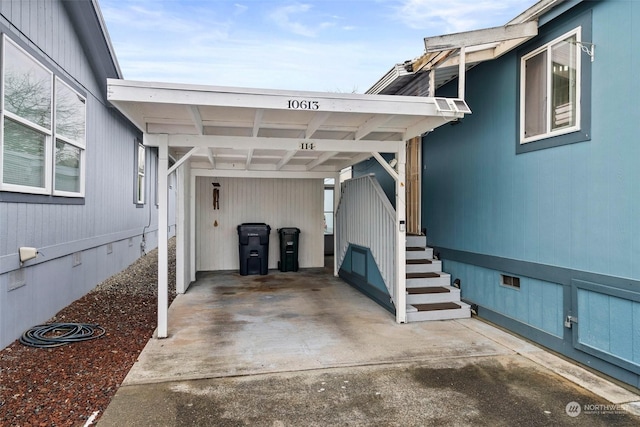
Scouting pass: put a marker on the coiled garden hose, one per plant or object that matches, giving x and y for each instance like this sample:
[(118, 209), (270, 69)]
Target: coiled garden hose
[(57, 334)]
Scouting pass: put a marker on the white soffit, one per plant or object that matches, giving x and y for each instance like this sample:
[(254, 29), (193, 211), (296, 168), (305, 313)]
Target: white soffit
[(239, 129)]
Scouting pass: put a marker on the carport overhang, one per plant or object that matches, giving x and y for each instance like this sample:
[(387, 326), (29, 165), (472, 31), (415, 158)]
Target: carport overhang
[(259, 133)]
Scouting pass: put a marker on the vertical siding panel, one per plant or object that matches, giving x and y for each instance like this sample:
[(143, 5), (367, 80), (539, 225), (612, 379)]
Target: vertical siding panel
[(635, 336), (276, 202), (620, 326), (534, 289)]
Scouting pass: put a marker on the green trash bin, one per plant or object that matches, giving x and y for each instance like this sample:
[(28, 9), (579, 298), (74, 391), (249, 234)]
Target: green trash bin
[(289, 239)]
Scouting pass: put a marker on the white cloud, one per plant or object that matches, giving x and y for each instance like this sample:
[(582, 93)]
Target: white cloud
[(288, 18), (240, 9), (148, 17)]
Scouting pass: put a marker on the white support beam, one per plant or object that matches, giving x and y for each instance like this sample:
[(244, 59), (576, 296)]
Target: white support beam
[(192, 226), (462, 71), (211, 158), (337, 188), (386, 165), (432, 82), (401, 236), (370, 125), (197, 118), (182, 230), (249, 157), (315, 123), (163, 236), (288, 156), (183, 159), (257, 120), (289, 144), (320, 160), (480, 37), (266, 167), (241, 173)]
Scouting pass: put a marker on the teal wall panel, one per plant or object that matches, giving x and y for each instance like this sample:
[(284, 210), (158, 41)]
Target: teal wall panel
[(360, 270), (573, 206), (537, 303), (609, 324)]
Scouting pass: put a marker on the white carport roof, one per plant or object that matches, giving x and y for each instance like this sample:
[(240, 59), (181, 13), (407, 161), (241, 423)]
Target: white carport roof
[(250, 132), (263, 133)]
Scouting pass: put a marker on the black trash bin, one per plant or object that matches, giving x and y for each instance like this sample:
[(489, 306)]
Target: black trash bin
[(289, 238), (253, 248)]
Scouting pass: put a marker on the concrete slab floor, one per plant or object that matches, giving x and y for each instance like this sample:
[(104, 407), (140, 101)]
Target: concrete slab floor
[(305, 348)]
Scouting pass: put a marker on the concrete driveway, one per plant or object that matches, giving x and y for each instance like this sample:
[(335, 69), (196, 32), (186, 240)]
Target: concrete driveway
[(304, 348)]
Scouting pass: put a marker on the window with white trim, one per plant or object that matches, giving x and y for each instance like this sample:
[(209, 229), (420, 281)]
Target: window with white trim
[(550, 89), (43, 128), (140, 174)]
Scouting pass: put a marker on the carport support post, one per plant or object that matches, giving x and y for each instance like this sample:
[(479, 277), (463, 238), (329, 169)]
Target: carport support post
[(163, 236), (336, 200), (401, 229)]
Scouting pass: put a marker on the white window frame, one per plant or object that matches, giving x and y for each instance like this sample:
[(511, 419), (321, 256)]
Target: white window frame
[(50, 134), (577, 32), (48, 166), (140, 192), (82, 145)]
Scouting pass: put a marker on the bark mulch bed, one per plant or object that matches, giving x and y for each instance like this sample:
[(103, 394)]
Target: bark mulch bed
[(64, 386)]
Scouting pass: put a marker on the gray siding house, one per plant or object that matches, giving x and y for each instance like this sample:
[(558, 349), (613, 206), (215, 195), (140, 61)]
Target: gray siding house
[(76, 182), (532, 202)]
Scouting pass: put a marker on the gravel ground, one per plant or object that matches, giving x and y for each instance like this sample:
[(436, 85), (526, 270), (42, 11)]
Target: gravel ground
[(65, 386)]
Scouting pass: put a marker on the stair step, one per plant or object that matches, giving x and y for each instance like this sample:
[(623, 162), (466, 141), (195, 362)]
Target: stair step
[(420, 280), (436, 306), (416, 240), (432, 295), (426, 275), (423, 265), (438, 311), (419, 261), (416, 252), (428, 290)]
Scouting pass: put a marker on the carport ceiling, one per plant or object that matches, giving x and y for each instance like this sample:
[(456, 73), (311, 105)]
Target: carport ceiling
[(271, 130)]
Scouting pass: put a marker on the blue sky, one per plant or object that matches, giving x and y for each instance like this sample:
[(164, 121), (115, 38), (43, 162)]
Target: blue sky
[(320, 45)]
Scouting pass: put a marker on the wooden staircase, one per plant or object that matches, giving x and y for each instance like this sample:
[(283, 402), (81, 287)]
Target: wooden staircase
[(430, 295)]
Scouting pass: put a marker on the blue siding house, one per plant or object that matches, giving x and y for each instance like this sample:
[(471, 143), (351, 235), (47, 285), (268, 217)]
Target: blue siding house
[(533, 201), (75, 181)]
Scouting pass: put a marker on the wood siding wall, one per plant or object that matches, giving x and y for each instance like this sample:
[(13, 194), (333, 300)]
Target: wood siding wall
[(564, 212), (107, 230), (276, 202)]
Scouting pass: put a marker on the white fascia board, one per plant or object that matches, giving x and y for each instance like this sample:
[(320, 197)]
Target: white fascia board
[(479, 37), (287, 144), (121, 91), (535, 11)]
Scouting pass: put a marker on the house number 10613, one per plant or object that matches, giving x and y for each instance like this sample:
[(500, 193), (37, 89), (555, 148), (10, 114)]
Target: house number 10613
[(304, 104)]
